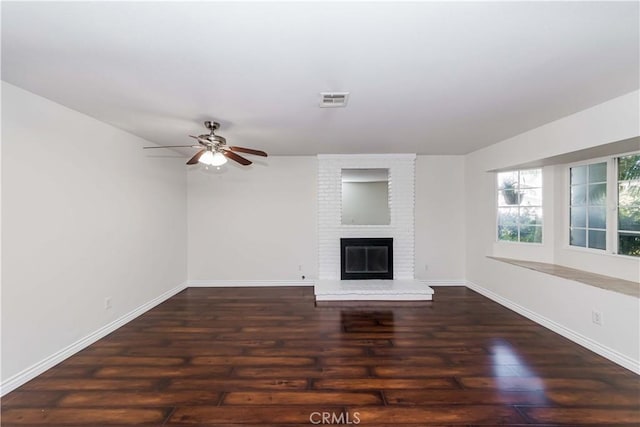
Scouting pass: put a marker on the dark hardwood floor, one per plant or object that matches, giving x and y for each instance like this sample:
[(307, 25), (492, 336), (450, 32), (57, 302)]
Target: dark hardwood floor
[(267, 356)]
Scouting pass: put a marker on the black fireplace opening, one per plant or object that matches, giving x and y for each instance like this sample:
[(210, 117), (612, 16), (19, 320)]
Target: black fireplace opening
[(366, 258)]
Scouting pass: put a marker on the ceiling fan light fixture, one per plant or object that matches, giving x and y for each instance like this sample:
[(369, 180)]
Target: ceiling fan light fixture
[(215, 159), (206, 158)]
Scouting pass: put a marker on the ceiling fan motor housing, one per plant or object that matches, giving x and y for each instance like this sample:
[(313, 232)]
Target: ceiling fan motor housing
[(212, 126)]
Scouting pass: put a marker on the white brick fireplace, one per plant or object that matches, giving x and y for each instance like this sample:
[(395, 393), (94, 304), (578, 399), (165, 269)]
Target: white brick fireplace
[(401, 204)]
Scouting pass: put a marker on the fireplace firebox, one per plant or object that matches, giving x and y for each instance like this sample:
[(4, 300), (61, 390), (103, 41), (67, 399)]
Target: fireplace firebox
[(366, 258)]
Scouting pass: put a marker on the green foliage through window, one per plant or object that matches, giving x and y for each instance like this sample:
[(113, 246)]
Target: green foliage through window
[(629, 205)]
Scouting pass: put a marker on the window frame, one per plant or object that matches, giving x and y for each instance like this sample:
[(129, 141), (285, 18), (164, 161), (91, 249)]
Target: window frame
[(611, 206), (609, 216), (496, 205)]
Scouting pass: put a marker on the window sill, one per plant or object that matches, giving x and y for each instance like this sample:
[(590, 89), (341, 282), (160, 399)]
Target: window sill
[(512, 242), (591, 251), (609, 283)]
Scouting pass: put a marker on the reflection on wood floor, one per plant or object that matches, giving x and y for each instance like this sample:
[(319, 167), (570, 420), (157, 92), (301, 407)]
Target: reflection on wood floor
[(269, 357)]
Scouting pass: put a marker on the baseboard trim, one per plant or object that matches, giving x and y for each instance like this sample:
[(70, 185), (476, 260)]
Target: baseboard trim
[(246, 283), (38, 368), (588, 343), (445, 282)]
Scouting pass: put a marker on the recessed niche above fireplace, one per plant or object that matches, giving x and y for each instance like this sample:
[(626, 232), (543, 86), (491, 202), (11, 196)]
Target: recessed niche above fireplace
[(366, 258)]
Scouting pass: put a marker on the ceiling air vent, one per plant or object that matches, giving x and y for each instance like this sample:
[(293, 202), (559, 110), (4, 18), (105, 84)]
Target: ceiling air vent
[(333, 99)]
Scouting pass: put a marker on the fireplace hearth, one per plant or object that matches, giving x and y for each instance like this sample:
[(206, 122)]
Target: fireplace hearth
[(366, 258)]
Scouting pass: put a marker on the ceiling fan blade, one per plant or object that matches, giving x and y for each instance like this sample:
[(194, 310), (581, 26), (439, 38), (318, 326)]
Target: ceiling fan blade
[(248, 151), (171, 146), (194, 159), (234, 156)]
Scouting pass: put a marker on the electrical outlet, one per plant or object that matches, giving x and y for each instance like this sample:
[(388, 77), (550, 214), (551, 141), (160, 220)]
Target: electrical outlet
[(426, 267), (596, 317), (107, 303)]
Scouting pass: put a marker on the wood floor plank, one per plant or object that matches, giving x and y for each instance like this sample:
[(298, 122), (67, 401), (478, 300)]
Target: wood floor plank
[(162, 371), (582, 416), (438, 351), (191, 350), (301, 398), (422, 360), (64, 383), (297, 372), (84, 417), (305, 343), (309, 352), (445, 370), (252, 360), (164, 398), (384, 383), (533, 383), (463, 397), (237, 384)]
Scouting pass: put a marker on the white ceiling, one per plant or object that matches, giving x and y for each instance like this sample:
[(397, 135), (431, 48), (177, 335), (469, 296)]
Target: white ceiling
[(428, 78)]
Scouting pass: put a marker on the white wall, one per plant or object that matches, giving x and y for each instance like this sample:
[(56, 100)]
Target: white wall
[(253, 223), (566, 303), (365, 203), (260, 223), (440, 218), (86, 214)]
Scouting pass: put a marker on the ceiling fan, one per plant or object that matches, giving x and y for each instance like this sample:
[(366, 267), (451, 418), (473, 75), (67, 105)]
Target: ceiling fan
[(214, 150)]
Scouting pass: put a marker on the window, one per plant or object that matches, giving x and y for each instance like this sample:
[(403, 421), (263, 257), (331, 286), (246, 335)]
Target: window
[(520, 206), (588, 200), (610, 185), (628, 238)]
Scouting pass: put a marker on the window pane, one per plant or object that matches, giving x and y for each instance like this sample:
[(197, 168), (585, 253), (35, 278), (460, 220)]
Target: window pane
[(578, 237), (507, 216), (598, 172), (531, 234), (629, 219), (531, 216), (597, 239), (531, 197), (507, 180), (629, 193), (597, 217), (629, 244), (578, 175), (579, 195), (578, 217), (509, 197), (531, 178), (629, 167), (508, 232), (598, 194)]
